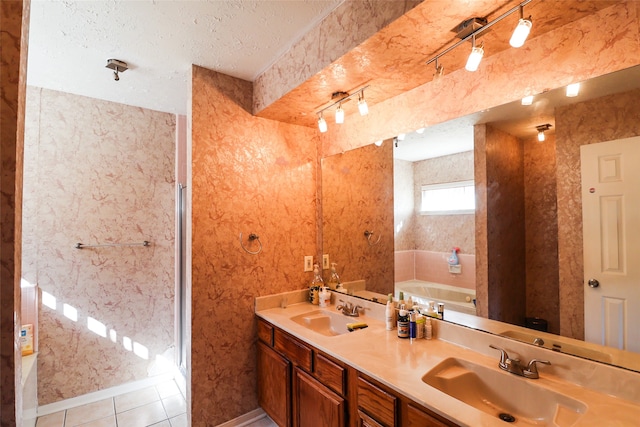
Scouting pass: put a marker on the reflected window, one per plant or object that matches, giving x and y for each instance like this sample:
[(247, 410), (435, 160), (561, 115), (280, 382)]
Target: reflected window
[(449, 198)]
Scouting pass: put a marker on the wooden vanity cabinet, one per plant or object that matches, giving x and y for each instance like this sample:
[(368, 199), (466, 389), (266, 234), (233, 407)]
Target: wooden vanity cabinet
[(299, 386)]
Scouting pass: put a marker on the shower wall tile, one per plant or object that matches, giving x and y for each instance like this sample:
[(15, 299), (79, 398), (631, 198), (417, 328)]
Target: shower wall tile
[(14, 21), (249, 175), (100, 173), (357, 195), (604, 119), (433, 267), (405, 265)]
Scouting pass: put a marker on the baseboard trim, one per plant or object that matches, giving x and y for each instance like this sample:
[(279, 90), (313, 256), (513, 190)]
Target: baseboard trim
[(246, 419), (102, 394)]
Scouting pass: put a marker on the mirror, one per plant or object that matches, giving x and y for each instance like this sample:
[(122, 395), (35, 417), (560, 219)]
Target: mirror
[(542, 278)]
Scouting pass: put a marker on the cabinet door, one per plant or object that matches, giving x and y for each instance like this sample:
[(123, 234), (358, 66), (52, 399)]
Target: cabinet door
[(315, 404), (365, 420), (418, 418), (274, 385)]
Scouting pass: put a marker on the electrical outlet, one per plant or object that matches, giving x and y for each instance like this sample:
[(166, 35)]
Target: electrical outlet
[(308, 263), (455, 269), (325, 261)]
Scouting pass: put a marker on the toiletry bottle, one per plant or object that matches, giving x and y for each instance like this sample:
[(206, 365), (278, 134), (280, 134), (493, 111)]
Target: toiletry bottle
[(428, 329), (334, 279), (325, 297), (440, 310), (400, 298), (316, 283), (390, 314), (403, 323), (421, 321), (412, 325)]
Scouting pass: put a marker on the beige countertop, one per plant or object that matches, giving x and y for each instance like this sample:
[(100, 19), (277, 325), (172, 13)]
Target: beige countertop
[(401, 363)]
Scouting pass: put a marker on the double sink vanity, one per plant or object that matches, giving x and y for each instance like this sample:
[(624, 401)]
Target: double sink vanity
[(313, 371)]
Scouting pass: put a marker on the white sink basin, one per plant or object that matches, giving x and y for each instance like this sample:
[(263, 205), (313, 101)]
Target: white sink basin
[(326, 322), (504, 395)]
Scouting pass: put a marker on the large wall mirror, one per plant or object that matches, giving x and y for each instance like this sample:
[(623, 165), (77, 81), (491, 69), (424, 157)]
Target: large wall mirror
[(520, 254)]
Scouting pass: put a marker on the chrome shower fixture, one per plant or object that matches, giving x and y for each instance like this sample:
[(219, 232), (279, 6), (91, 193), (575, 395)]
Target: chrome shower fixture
[(117, 66)]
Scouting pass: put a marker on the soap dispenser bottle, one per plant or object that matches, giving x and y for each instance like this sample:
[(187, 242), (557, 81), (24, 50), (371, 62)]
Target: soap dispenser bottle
[(316, 284), (334, 279)]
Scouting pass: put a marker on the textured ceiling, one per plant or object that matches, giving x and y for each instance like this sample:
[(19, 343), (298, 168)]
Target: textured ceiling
[(71, 40)]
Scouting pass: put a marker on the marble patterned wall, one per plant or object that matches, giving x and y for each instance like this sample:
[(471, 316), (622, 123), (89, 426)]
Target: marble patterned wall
[(541, 231), (440, 233), (350, 24), (249, 175), (100, 173), (500, 224), (604, 119), (357, 195), (14, 22)]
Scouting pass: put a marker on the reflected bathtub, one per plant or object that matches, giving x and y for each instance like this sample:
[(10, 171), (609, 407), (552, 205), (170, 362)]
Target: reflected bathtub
[(453, 297)]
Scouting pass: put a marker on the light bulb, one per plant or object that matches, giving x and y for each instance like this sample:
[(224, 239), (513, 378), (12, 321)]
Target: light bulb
[(322, 124), (420, 131), (521, 33), (401, 136), (474, 58), (540, 136), (339, 115), (527, 100), (573, 90), (378, 143), (363, 107)]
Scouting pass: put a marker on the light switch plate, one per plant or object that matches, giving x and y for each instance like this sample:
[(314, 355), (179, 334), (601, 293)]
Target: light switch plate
[(308, 263), (325, 261)]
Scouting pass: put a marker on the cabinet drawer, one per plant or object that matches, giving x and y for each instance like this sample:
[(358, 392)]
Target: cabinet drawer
[(377, 403), (294, 350), (330, 374), (365, 420), (265, 332), (418, 418)]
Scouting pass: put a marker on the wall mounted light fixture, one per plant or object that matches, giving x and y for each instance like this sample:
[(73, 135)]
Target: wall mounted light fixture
[(338, 99), (527, 100), (522, 30), (117, 66), (541, 130), (474, 27), (573, 90)]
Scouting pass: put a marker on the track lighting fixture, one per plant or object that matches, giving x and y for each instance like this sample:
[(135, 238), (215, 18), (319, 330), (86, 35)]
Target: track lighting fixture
[(541, 130), (573, 90), (475, 56), (474, 27), (362, 105), (527, 100), (439, 71), (339, 114), (522, 30), (338, 99), (322, 123)]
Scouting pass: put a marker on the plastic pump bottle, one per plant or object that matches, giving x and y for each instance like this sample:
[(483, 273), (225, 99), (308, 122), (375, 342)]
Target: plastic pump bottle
[(334, 279), (390, 314), (316, 284)]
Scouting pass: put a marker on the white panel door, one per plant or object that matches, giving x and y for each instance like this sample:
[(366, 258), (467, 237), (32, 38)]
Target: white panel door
[(611, 232)]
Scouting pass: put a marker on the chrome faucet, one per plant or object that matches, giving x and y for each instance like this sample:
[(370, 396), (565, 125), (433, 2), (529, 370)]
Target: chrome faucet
[(515, 367), (349, 309)]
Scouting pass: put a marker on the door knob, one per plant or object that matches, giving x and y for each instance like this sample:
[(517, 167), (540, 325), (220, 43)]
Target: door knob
[(593, 283)]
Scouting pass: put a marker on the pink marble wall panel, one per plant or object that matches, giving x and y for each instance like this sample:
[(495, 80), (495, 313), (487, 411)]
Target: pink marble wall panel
[(249, 175), (357, 195), (405, 265), (597, 44), (14, 21), (441, 233), (504, 228), (481, 219), (404, 215), (351, 23), (605, 119), (433, 267), (104, 174), (541, 231)]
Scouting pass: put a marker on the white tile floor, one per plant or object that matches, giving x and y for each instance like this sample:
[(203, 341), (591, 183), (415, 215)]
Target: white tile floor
[(159, 406)]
